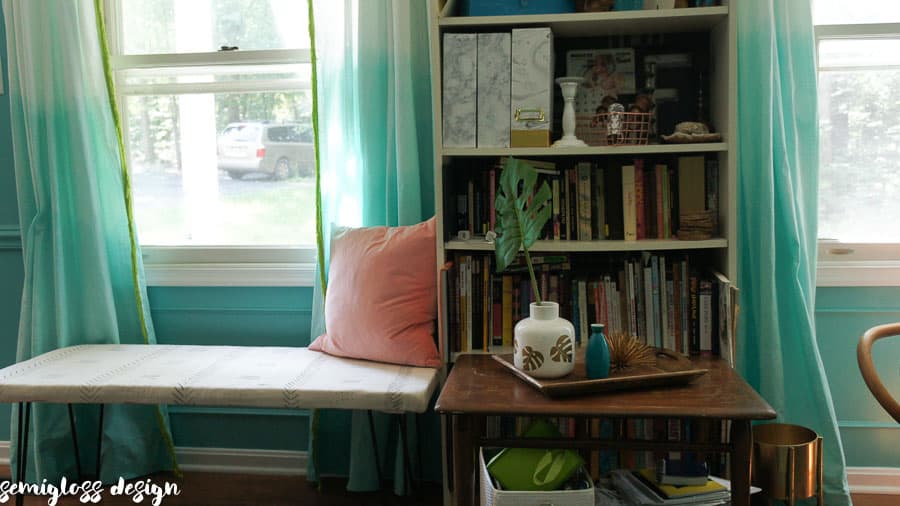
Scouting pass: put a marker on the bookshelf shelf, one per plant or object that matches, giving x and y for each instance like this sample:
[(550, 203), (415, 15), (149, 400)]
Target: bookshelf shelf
[(587, 24), (501, 350), (650, 149), (596, 246)]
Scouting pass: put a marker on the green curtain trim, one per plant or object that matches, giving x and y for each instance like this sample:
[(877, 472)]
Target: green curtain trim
[(320, 240), (126, 189)]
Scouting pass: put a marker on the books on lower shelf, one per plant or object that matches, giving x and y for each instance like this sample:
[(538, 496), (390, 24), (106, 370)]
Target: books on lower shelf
[(640, 488), (680, 472)]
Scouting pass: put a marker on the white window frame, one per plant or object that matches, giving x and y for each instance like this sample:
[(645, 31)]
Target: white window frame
[(856, 264), (214, 265)]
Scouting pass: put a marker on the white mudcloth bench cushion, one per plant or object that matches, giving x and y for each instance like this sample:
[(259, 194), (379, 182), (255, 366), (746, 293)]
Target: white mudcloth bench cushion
[(244, 376)]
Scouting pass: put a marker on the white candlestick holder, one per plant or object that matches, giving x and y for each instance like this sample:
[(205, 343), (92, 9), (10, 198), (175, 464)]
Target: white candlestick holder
[(569, 86)]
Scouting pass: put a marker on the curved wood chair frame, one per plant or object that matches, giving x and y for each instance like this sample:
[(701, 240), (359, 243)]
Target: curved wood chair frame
[(867, 367)]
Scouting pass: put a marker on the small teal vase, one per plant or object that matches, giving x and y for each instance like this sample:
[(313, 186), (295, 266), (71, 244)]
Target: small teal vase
[(596, 359)]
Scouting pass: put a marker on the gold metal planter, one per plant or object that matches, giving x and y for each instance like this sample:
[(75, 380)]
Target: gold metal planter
[(787, 462)]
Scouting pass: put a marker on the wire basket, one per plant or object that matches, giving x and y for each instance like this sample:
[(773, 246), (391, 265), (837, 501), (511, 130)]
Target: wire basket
[(613, 129)]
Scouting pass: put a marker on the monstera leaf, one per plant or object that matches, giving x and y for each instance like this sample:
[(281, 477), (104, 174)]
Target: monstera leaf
[(562, 350), (532, 360), (522, 211)]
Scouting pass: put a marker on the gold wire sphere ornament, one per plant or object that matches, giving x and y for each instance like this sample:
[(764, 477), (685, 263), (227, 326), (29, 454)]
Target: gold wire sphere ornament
[(626, 351)]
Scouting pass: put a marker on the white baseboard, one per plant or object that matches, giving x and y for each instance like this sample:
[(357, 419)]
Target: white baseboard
[(243, 461), (862, 480), (874, 480), (227, 460)]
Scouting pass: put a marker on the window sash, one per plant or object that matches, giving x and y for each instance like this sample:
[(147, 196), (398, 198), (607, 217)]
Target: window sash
[(857, 264), (218, 265)]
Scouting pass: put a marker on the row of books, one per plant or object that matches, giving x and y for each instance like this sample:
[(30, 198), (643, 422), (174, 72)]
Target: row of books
[(663, 300), (631, 200), (602, 462)]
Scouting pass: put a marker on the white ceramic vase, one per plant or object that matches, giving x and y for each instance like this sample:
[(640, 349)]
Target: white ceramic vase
[(544, 343)]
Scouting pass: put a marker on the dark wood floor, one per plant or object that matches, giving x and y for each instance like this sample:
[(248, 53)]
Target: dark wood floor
[(217, 489)]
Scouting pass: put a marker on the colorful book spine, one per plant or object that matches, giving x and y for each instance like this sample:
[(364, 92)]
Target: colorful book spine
[(706, 316), (507, 308), (661, 177), (640, 221), (666, 202), (496, 310), (583, 315), (695, 315), (486, 302), (584, 201), (629, 210), (649, 330), (557, 220), (686, 327), (670, 309), (599, 202)]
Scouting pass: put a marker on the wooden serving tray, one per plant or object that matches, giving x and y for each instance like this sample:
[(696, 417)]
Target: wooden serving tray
[(670, 369)]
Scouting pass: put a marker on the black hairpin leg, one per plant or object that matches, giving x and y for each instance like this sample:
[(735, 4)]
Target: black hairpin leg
[(99, 441), (22, 447), (75, 441), (407, 466), (419, 440), (375, 447)]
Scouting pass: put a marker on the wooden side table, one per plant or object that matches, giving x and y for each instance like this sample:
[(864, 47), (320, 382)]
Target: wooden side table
[(478, 387)]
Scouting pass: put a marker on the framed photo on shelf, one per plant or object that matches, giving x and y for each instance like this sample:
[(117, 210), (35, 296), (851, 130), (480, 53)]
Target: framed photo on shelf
[(608, 74)]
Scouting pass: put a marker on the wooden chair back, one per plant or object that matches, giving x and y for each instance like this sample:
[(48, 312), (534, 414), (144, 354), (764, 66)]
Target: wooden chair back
[(867, 367)]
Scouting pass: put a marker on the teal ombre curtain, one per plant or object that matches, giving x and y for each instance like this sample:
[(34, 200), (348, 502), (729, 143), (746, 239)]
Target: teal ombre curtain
[(777, 186), (375, 168), (82, 273)]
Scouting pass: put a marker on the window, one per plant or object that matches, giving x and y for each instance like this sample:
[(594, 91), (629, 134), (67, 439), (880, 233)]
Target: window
[(216, 105), (858, 60)]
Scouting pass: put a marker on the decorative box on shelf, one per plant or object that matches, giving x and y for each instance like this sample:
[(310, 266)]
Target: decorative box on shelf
[(513, 7), (491, 496)]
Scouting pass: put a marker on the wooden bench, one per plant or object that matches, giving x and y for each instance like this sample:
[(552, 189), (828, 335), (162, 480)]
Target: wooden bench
[(228, 376)]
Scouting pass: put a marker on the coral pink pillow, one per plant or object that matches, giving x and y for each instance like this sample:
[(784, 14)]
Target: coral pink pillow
[(381, 299)]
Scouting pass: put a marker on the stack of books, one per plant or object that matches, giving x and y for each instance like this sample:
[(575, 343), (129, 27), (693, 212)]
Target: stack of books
[(642, 488), (681, 472)]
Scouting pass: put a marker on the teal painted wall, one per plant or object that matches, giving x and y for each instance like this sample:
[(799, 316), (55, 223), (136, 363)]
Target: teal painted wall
[(870, 436), (235, 316)]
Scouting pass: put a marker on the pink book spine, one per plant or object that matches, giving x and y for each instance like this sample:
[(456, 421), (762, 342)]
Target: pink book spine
[(660, 225), (640, 227)]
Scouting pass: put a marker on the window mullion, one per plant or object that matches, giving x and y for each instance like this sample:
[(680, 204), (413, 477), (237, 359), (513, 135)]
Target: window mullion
[(261, 57), (269, 85)]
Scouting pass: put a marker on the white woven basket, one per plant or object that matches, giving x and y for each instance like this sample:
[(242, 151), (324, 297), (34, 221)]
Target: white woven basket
[(490, 496)]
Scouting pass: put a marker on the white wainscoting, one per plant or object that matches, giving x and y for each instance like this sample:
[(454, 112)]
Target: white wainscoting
[(227, 460)]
